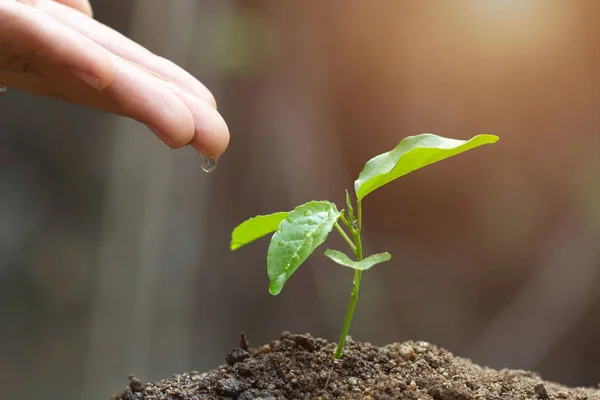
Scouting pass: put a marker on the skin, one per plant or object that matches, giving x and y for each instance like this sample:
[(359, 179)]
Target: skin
[(56, 49)]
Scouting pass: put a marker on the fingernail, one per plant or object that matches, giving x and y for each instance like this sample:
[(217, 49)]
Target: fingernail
[(91, 80), (164, 138)]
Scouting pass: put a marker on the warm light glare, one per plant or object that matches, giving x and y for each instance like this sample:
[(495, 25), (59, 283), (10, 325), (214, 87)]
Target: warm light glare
[(521, 22), (508, 6)]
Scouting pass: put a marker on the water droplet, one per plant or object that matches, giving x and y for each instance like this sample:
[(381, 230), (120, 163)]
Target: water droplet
[(208, 164), (3, 88)]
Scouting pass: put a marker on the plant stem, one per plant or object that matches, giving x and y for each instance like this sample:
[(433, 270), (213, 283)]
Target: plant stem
[(357, 245), (353, 298), (346, 223), (359, 215), (357, 276), (345, 237)]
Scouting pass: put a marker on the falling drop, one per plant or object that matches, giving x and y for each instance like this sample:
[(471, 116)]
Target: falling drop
[(3, 88), (208, 164)]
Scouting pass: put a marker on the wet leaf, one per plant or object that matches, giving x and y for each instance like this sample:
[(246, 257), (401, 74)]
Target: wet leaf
[(412, 153), (255, 228), (363, 265), (296, 238)]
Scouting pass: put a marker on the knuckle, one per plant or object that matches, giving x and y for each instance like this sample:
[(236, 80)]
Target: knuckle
[(20, 65), (10, 63)]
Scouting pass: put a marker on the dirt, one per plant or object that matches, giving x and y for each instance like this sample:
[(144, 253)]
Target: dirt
[(303, 367)]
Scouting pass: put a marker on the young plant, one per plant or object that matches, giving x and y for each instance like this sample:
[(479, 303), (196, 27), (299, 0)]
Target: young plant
[(299, 232)]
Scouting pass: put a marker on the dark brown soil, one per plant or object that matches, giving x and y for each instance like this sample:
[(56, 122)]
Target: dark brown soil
[(302, 367)]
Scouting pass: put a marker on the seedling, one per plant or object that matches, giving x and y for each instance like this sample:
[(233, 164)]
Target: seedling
[(298, 233)]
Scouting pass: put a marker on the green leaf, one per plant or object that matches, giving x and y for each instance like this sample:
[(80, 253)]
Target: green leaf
[(255, 228), (412, 153), (363, 265), (350, 209), (296, 238)]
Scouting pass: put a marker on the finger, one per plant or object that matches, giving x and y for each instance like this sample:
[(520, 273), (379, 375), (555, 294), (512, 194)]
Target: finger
[(82, 6), (133, 94), (150, 101), (27, 32), (124, 47), (211, 136), (36, 49), (176, 116), (134, 85)]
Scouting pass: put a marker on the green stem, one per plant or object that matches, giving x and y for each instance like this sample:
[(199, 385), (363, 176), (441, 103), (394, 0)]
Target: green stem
[(357, 245), (359, 214), (345, 237), (346, 222), (354, 295), (353, 298), (356, 233)]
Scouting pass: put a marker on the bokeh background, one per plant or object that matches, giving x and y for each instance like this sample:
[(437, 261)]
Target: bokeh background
[(114, 253)]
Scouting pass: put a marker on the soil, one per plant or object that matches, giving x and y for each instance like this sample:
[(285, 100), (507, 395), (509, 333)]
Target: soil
[(303, 367)]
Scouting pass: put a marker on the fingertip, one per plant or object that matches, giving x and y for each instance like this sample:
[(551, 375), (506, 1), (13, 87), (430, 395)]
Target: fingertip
[(83, 6), (88, 10), (211, 136), (212, 139), (210, 99)]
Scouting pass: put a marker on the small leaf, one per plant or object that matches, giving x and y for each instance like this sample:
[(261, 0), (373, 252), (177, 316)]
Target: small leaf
[(412, 153), (363, 265), (296, 238), (350, 209), (255, 228)]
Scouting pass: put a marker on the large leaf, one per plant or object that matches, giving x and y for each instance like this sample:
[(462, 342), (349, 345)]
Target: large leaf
[(363, 265), (412, 153), (296, 238), (255, 228)]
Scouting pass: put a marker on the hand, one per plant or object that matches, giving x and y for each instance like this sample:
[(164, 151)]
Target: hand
[(55, 49)]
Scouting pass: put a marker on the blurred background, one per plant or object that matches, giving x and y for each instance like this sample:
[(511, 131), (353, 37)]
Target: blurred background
[(114, 253)]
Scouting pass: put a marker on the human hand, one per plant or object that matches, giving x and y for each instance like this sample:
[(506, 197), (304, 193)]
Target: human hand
[(55, 49)]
